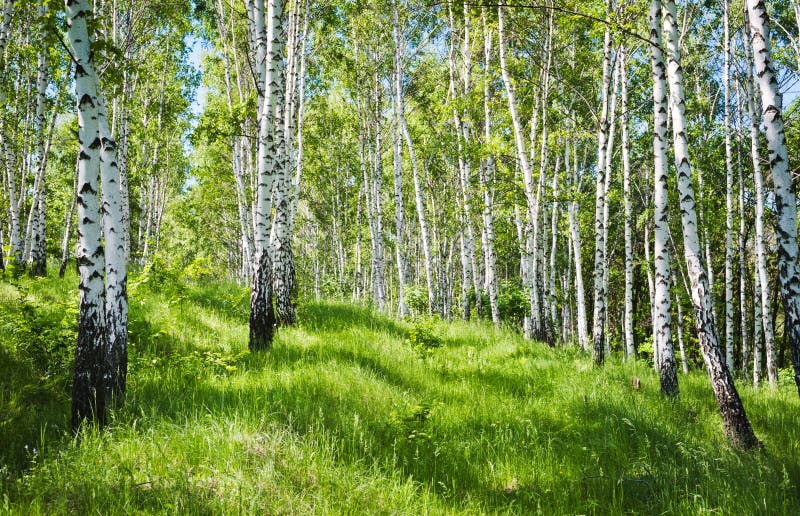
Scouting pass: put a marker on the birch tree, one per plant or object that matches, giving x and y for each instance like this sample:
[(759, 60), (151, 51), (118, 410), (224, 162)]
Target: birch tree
[(88, 391), (785, 194), (599, 335), (269, 36), (763, 292), (726, 86), (664, 354), (734, 419)]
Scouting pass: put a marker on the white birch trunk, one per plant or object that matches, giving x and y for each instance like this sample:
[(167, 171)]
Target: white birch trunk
[(763, 294), (758, 335), (626, 192), (398, 164), (575, 236), (662, 345), (681, 347), (88, 393), (598, 333), (728, 192), (68, 225), (734, 419), (743, 326), (527, 248), (269, 36), (283, 277), (785, 194), (35, 252), (116, 302)]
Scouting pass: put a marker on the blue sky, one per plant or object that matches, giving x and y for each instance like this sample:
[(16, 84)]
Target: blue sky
[(197, 51)]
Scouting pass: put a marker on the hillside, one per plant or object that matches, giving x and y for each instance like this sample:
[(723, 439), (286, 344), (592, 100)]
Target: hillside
[(354, 412)]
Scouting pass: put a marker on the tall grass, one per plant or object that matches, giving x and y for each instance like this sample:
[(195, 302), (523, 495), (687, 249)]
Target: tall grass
[(347, 415)]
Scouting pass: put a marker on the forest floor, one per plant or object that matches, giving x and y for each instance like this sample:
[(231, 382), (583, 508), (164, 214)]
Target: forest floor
[(353, 412)]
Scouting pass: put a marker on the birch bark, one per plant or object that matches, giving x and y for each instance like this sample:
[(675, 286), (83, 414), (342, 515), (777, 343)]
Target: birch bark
[(598, 333), (763, 295), (626, 188), (269, 39), (785, 194), (665, 356), (729, 362), (88, 392), (734, 419)]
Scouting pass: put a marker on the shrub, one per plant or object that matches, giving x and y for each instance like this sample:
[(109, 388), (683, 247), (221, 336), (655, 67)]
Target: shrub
[(423, 338), (512, 303), (417, 300)]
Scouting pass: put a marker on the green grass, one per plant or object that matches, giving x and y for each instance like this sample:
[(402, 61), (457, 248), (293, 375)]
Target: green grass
[(344, 416)]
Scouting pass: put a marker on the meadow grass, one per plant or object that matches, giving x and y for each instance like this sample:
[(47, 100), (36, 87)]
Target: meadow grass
[(345, 416)]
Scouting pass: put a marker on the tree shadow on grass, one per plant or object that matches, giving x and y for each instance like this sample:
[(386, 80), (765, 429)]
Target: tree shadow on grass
[(34, 410), (431, 450), (334, 316)]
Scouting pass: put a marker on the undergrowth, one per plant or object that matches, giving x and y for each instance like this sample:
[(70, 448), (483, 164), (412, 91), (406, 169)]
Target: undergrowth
[(356, 412)]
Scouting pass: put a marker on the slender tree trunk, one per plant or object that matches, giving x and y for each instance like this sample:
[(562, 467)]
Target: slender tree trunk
[(270, 37), (281, 238), (743, 328), (665, 356), (116, 267), (236, 150), (376, 187), (421, 217), (37, 218), (553, 297), (88, 392), (734, 418), (681, 347), (630, 346), (68, 225), (598, 348), (763, 294), (758, 334), (575, 236), (398, 163), (487, 179), (527, 248), (785, 194), (651, 290), (729, 362)]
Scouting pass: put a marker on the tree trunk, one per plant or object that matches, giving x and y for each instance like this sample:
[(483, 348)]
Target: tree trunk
[(527, 246), (575, 236), (116, 267), (68, 225), (734, 418), (630, 346), (598, 334), (763, 294), (37, 219), (665, 357), (743, 327), (729, 362), (758, 334), (785, 195), (399, 210), (269, 36), (88, 393), (681, 347)]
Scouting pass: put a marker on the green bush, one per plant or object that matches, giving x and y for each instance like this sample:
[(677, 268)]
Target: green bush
[(158, 275), (423, 337), (513, 303), (417, 300)]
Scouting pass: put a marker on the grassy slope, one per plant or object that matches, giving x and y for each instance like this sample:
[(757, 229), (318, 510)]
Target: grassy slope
[(344, 417)]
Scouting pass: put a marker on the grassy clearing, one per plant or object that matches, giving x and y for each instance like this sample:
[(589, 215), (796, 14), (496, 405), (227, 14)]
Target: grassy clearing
[(344, 415)]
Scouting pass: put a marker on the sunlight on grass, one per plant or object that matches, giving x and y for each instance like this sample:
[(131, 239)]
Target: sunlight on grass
[(345, 415)]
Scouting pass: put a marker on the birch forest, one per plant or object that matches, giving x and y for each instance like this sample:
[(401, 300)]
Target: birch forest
[(399, 256)]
